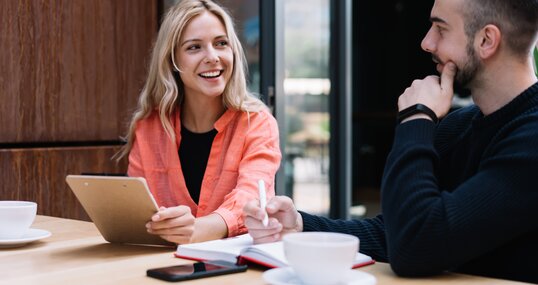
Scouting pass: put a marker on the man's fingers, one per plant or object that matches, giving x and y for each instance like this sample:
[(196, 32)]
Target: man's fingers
[(265, 235), (256, 224), (279, 203), (272, 238), (447, 79)]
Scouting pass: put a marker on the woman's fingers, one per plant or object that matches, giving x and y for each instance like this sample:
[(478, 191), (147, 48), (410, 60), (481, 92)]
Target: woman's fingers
[(174, 224)]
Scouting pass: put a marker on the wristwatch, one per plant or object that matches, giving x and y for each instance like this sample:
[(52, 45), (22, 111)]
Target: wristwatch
[(417, 109)]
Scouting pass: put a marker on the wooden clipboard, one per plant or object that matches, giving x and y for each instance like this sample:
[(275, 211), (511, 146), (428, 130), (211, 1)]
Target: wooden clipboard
[(119, 207)]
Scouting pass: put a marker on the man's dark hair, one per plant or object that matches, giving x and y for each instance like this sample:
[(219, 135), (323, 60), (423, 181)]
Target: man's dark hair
[(517, 20)]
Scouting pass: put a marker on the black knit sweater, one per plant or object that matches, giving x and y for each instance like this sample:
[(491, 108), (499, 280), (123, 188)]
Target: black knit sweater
[(461, 196)]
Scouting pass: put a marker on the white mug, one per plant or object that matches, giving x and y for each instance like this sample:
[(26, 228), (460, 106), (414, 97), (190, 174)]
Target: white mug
[(320, 257), (16, 217)]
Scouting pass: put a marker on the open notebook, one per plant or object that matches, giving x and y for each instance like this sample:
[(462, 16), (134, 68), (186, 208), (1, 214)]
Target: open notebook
[(241, 249)]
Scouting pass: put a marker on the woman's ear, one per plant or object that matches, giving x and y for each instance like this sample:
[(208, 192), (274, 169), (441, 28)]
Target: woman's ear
[(487, 41)]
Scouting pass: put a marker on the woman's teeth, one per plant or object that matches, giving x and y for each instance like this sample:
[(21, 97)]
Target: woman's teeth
[(210, 74)]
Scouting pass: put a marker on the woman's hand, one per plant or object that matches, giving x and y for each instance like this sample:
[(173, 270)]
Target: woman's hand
[(174, 224)]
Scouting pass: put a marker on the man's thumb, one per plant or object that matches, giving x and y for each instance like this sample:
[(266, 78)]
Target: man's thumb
[(447, 78)]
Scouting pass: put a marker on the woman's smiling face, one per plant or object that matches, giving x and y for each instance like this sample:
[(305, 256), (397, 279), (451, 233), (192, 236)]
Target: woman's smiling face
[(204, 57)]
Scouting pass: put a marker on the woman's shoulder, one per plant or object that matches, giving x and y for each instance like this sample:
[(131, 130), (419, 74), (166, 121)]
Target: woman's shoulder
[(255, 123), (262, 118)]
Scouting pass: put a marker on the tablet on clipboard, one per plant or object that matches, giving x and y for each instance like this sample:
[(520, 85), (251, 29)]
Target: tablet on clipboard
[(119, 207)]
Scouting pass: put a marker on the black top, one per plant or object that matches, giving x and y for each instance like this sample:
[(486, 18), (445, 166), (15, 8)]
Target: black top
[(194, 152), (460, 196)]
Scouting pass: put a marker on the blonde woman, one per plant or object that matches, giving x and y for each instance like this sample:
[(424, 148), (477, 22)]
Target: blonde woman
[(199, 138)]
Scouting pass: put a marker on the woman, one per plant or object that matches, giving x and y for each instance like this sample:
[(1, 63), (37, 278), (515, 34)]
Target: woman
[(200, 139)]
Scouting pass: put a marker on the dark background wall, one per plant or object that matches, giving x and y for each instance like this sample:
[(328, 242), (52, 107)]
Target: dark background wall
[(386, 58), (70, 78)]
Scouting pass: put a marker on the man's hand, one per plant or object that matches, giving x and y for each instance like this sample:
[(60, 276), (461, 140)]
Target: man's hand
[(432, 91), (283, 218)]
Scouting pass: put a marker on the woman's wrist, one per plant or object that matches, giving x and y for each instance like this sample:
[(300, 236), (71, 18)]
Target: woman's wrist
[(209, 227)]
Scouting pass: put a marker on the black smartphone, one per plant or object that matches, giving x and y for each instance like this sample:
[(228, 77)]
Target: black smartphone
[(195, 270)]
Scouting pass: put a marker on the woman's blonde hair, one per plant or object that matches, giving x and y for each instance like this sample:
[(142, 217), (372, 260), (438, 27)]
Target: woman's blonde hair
[(161, 91)]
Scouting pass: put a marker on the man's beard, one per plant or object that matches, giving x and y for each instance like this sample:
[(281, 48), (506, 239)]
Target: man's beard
[(466, 75)]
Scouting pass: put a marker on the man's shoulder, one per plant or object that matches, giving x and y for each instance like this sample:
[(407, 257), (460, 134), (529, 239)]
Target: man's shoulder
[(455, 126), (459, 119), (464, 114), (526, 122)]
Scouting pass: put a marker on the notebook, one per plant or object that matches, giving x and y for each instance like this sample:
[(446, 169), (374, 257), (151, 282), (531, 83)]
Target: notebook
[(119, 207), (240, 249)]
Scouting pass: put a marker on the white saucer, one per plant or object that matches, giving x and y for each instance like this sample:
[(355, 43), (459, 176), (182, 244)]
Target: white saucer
[(286, 276), (30, 236)]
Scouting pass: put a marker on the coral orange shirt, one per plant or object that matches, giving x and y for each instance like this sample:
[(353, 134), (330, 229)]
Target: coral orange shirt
[(245, 149)]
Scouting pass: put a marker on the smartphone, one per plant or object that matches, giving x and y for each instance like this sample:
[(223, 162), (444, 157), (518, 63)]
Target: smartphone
[(195, 270)]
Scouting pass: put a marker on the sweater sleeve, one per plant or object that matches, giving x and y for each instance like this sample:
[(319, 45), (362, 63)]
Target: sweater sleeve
[(260, 160), (429, 230), (371, 232)]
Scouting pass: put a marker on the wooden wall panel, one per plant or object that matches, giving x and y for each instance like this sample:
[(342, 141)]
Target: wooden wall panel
[(39, 175), (72, 69)]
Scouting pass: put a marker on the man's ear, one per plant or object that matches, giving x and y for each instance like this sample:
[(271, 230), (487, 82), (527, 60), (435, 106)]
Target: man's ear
[(487, 41)]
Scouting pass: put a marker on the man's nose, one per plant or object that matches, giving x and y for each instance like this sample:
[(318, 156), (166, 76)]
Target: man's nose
[(428, 44)]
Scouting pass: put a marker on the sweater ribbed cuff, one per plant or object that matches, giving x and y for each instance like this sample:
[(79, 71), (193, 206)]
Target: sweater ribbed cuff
[(414, 131)]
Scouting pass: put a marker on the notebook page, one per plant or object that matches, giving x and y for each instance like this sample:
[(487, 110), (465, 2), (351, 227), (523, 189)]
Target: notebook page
[(224, 249), (268, 253)]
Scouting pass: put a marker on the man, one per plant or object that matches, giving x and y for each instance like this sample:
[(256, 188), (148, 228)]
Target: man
[(460, 195)]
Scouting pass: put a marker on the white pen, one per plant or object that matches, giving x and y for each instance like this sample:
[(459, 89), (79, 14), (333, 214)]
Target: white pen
[(263, 201)]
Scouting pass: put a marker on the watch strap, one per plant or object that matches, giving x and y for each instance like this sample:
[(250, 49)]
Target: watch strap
[(417, 109)]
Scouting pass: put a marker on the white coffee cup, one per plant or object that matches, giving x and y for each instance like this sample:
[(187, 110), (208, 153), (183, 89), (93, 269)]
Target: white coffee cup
[(16, 217), (320, 257)]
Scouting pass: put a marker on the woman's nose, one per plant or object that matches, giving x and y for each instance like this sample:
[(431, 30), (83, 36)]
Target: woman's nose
[(211, 56)]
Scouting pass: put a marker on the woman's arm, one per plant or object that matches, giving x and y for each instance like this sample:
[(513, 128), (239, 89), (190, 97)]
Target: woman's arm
[(209, 227), (260, 159)]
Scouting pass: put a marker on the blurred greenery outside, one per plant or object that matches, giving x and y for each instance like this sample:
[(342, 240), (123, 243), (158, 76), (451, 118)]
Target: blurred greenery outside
[(307, 57)]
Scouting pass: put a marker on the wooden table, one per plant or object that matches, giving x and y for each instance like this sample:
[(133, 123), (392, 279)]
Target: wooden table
[(77, 254)]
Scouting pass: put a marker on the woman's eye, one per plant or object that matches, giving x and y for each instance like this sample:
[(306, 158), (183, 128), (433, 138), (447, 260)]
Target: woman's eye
[(222, 43), (193, 47)]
